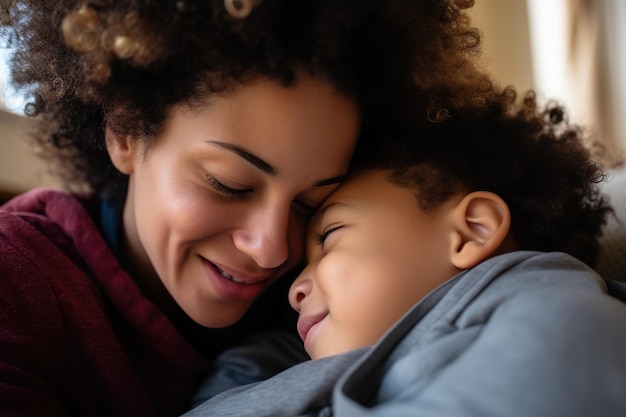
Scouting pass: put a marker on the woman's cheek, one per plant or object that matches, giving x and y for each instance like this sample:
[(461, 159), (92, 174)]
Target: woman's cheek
[(297, 239)]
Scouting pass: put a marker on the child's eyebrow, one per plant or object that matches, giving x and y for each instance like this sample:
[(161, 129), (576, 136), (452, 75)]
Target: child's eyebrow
[(329, 181), (323, 211)]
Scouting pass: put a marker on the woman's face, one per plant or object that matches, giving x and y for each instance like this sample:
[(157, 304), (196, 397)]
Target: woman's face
[(217, 207)]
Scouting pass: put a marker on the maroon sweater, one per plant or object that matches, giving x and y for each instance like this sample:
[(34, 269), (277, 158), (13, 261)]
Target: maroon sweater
[(77, 337)]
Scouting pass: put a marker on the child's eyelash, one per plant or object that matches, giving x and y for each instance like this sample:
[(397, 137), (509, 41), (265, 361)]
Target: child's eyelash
[(320, 237)]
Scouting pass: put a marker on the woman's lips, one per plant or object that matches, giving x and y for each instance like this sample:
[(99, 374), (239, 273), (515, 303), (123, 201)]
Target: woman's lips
[(305, 323), (241, 277), (231, 285)]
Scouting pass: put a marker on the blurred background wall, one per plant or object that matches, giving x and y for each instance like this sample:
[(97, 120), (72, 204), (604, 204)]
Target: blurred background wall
[(573, 51), (20, 169)]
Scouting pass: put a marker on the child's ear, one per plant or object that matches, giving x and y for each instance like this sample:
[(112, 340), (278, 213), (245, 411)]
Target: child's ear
[(121, 149), (481, 222)]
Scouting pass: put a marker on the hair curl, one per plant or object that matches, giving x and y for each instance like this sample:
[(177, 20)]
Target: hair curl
[(124, 64), (543, 167)]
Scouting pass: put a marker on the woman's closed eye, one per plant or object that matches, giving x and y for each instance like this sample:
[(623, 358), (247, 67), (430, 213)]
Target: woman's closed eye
[(305, 209), (226, 190)]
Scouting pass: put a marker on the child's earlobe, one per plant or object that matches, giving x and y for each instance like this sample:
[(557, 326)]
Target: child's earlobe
[(121, 149), (481, 221)]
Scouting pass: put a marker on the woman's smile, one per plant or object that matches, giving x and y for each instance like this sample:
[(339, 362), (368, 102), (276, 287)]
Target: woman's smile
[(231, 287)]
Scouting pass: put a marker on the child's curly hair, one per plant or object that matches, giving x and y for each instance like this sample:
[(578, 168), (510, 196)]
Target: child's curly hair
[(85, 64), (543, 167)]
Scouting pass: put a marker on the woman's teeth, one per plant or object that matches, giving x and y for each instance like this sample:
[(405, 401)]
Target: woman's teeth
[(232, 278)]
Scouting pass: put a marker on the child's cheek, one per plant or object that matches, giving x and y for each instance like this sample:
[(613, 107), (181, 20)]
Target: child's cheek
[(336, 266)]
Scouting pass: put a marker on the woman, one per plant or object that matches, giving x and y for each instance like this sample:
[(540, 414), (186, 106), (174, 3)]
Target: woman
[(196, 138)]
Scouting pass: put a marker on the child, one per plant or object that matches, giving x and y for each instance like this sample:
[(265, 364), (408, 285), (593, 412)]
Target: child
[(470, 248)]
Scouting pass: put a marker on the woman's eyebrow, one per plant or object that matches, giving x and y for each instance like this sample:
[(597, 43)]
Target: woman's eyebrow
[(248, 156), (264, 166)]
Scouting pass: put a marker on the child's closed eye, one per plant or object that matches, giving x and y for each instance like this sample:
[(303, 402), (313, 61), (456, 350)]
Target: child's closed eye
[(320, 237)]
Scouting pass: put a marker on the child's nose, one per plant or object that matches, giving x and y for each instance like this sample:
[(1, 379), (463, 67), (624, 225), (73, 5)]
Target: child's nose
[(300, 289)]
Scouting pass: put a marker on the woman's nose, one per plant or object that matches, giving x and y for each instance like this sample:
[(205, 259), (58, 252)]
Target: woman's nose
[(300, 289), (265, 238)]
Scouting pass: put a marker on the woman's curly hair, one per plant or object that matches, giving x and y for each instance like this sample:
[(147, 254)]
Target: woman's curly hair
[(85, 64), (543, 167)]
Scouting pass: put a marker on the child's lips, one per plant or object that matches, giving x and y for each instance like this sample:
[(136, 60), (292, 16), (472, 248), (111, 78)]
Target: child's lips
[(305, 323)]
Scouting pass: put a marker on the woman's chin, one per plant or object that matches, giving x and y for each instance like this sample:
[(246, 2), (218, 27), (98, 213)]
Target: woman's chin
[(220, 317)]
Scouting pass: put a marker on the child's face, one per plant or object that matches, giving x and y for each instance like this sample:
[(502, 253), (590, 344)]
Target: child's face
[(372, 254)]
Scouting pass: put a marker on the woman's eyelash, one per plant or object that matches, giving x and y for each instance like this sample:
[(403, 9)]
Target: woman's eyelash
[(304, 208), (223, 189)]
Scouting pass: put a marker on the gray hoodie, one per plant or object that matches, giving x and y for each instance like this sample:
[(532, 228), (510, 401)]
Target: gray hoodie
[(522, 334)]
